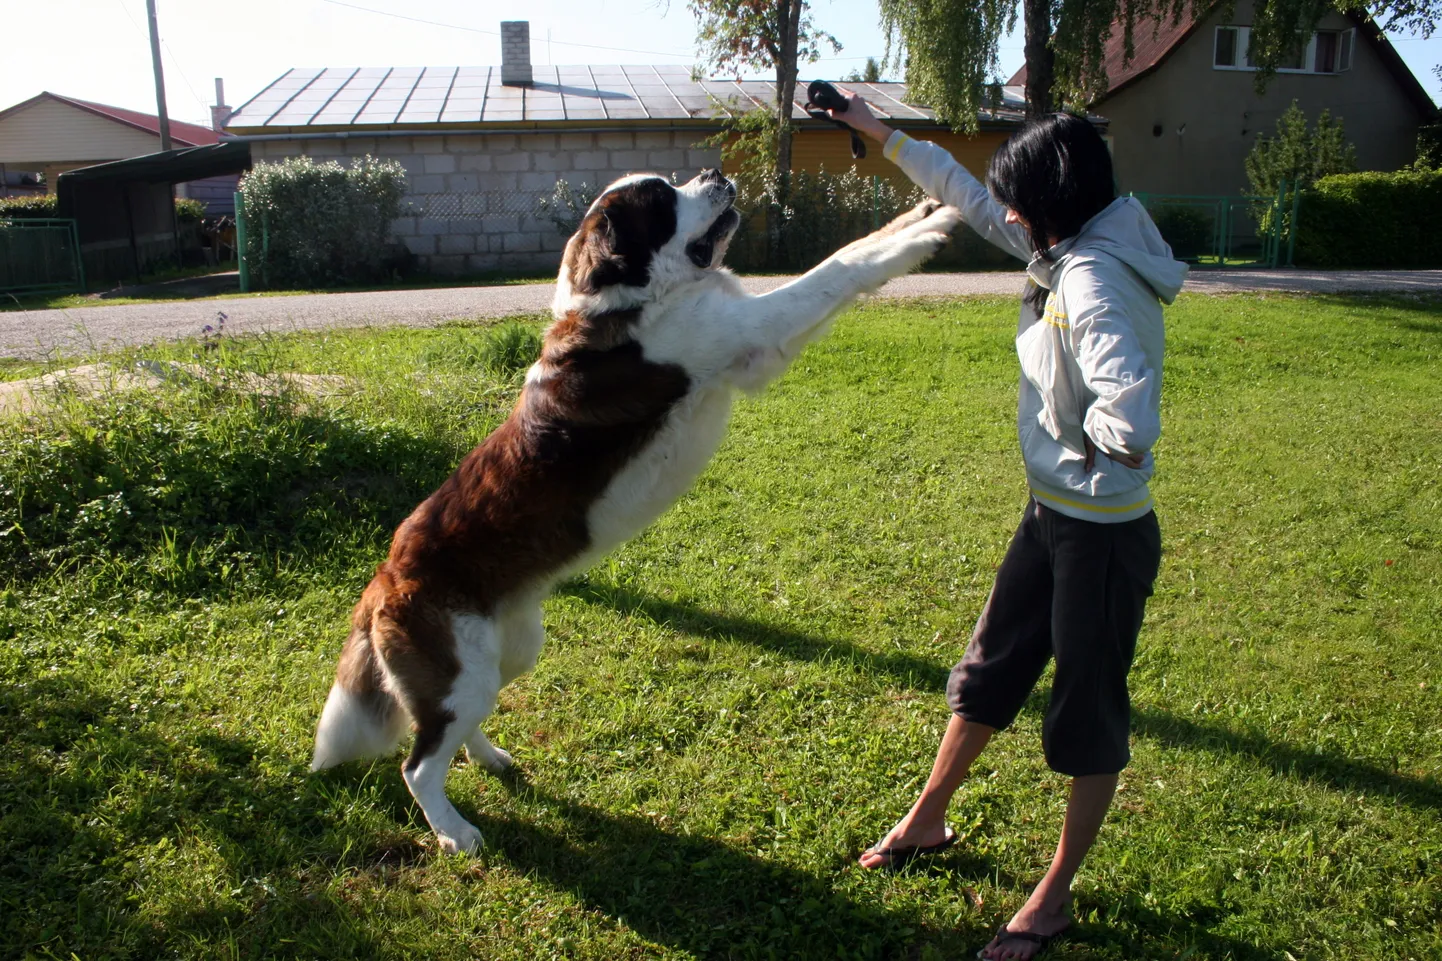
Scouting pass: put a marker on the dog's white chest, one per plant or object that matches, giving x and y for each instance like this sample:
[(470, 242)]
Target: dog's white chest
[(662, 471)]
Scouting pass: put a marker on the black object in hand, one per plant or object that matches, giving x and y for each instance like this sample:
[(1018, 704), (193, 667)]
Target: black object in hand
[(821, 97)]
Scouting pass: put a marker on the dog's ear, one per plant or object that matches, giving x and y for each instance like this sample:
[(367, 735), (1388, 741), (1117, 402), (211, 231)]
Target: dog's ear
[(597, 262)]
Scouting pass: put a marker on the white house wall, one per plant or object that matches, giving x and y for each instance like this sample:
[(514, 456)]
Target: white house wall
[(474, 197), (50, 133)]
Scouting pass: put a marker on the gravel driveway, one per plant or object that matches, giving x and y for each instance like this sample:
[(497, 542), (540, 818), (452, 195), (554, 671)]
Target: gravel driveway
[(43, 333)]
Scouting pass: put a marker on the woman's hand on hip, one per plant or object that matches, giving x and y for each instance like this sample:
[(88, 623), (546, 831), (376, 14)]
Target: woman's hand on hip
[(1134, 461)]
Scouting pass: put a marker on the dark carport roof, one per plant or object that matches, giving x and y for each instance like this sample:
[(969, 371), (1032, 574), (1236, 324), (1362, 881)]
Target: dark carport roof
[(169, 166)]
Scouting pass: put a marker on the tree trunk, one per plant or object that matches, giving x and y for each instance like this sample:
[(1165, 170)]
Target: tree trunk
[(790, 22), (1039, 57), (786, 68)]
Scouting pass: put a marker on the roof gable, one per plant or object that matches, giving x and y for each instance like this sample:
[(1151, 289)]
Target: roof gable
[(1152, 47)]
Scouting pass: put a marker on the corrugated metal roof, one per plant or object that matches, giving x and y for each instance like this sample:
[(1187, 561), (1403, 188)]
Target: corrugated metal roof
[(413, 97)]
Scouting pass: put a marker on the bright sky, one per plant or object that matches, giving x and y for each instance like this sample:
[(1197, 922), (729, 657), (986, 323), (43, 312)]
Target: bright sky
[(105, 55)]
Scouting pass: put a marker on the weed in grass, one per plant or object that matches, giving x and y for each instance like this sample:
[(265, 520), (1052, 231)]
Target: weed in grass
[(734, 704)]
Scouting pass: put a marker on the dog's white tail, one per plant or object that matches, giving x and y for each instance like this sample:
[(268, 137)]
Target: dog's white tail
[(360, 719)]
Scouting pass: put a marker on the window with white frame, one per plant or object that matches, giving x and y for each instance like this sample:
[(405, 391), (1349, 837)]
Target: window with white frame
[(1326, 51)]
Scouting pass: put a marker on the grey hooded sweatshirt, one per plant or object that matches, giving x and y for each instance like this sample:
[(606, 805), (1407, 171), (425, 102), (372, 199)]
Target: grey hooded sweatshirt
[(1091, 359)]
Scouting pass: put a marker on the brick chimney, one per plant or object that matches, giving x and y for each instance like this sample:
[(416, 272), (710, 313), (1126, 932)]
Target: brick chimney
[(219, 113), (516, 53)]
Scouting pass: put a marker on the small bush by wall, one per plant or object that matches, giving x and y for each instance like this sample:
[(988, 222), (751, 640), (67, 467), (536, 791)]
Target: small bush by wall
[(1372, 219), (189, 211), (16, 208), (326, 224)]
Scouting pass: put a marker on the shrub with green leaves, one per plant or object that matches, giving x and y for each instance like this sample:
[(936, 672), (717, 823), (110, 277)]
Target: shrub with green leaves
[(18, 208), (1372, 219), (189, 211), (567, 205), (1188, 230), (321, 224), (1299, 154)]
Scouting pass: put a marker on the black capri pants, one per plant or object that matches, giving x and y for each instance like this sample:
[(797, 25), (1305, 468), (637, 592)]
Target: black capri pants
[(1075, 591)]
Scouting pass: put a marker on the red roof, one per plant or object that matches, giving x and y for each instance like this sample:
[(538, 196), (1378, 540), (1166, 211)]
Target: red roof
[(182, 134), (1151, 44)]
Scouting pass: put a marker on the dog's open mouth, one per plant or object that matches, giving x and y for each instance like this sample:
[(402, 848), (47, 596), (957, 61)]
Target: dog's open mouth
[(702, 250)]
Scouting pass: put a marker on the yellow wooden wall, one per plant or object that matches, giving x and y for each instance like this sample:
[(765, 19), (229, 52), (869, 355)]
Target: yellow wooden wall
[(814, 149)]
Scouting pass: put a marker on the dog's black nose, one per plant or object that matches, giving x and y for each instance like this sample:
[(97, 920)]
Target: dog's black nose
[(712, 176)]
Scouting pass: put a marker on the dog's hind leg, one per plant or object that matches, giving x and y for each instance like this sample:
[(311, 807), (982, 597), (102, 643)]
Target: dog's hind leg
[(442, 726), (521, 637)]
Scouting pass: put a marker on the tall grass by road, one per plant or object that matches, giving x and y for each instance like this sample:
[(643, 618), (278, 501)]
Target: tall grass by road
[(734, 704)]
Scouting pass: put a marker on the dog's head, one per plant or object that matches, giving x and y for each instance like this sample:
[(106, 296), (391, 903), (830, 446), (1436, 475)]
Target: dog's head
[(642, 230)]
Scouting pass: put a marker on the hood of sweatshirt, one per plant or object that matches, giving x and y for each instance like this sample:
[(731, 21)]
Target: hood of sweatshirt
[(1123, 230)]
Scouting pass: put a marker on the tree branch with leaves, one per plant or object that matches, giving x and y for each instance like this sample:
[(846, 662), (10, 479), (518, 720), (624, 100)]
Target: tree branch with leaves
[(771, 35)]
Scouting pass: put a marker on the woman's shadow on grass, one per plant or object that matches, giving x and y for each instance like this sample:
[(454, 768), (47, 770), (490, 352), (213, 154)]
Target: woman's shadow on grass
[(1164, 727)]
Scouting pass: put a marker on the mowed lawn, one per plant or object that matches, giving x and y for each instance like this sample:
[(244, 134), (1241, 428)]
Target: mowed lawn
[(735, 704)]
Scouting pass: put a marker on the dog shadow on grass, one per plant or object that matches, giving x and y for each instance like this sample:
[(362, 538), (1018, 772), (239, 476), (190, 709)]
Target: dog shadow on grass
[(123, 839)]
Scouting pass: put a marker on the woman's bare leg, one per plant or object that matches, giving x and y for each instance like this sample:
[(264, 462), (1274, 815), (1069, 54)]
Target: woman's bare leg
[(1045, 912), (925, 823)]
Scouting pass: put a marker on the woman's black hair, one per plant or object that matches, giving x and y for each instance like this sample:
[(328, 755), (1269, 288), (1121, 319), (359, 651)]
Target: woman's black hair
[(1056, 172)]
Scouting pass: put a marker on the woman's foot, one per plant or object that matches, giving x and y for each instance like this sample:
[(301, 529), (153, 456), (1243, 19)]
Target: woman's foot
[(906, 841), (1029, 931)]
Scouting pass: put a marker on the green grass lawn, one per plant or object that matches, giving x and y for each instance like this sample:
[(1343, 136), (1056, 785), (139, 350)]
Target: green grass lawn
[(735, 704)]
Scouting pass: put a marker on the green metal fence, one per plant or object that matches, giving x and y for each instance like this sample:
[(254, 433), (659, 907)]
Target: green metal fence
[(1239, 231), (40, 256)]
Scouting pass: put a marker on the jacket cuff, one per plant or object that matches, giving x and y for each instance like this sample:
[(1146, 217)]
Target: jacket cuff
[(893, 145)]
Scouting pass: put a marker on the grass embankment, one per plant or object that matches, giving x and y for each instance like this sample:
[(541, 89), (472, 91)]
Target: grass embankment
[(737, 702), (157, 292)]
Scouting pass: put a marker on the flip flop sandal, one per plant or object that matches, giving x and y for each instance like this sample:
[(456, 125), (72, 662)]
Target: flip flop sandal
[(1041, 941), (898, 858)]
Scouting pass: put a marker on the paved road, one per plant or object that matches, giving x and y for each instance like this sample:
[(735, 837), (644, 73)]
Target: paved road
[(42, 333)]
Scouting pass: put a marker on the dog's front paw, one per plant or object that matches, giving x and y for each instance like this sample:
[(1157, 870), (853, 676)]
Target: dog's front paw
[(941, 219), (462, 838), (909, 219)]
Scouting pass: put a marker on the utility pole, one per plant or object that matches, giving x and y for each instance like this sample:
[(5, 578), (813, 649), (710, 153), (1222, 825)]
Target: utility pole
[(159, 77)]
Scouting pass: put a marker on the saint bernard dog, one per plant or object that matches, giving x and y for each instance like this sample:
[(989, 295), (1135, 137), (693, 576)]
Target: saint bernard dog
[(626, 404)]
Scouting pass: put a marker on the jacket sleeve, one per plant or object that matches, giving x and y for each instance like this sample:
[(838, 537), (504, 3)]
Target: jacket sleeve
[(1125, 417), (936, 171)]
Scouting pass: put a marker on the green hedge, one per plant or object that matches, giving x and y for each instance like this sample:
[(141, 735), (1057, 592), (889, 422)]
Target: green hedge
[(1372, 220), (326, 224), (16, 208)]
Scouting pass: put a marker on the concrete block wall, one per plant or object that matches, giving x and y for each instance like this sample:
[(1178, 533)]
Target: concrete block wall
[(472, 198)]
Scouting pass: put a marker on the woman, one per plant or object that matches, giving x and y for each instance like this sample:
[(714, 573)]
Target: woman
[(1078, 572)]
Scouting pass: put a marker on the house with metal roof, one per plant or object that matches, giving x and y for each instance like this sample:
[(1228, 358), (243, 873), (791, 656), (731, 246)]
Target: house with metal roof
[(482, 145), (1184, 110), (50, 134)]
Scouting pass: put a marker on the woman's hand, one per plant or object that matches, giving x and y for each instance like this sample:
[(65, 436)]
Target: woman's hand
[(1134, 461), (858, 116)]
